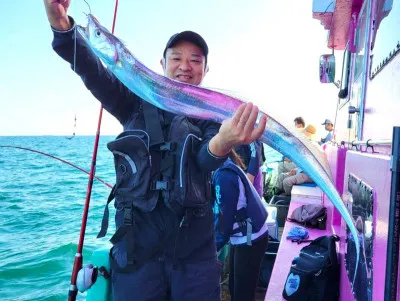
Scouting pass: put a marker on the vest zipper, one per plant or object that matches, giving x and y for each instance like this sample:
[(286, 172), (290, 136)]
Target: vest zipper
[(183, 153)]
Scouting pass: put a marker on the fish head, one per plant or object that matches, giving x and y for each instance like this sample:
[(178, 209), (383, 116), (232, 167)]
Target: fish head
[(101, 41)]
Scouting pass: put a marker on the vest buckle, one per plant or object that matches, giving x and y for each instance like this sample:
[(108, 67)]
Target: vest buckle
[(160, 185), (128, 220)]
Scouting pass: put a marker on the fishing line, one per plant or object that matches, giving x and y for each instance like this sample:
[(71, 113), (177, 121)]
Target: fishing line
[(56, 158), (75, 41), (90, 11)]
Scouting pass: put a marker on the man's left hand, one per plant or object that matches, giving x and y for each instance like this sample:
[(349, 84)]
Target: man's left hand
[(240, 129)]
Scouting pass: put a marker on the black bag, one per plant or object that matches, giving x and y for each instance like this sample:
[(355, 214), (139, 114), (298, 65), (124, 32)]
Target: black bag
[(315, 274), (310, 215)]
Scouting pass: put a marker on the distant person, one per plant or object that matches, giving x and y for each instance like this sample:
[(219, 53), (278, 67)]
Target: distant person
[(299, 123), (241, 218), (285, 181), (253, 159), (328, 127), (287, 165), (310, 132)]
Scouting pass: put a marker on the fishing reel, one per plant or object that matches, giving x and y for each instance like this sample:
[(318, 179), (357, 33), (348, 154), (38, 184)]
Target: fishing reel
[(87, 276)]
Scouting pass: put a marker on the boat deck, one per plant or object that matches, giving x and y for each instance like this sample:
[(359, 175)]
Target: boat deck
[(287, 249)]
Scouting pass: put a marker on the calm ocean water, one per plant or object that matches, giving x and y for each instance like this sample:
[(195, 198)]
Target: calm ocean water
[(41, 201)]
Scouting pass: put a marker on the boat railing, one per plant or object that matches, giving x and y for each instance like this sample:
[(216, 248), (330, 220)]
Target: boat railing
[(370, 143)]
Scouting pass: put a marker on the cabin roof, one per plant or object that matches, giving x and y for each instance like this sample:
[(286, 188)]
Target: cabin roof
[(335, 16)]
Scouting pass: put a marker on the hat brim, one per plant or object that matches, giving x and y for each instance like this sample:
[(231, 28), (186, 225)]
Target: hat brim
[(189, 36)]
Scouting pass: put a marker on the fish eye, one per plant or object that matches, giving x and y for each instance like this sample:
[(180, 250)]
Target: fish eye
[(98, 33)]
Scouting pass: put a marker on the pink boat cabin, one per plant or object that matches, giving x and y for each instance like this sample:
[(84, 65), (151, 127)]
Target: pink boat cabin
[(364, 159)]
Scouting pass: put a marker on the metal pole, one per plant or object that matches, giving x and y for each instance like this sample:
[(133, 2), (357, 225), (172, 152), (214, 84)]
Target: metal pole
[(392, 256)]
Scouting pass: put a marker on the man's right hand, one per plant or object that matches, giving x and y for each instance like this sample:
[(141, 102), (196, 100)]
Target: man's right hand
[(57, 13)]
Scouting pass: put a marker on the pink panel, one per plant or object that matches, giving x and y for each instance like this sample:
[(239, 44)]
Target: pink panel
[(341, 160), (336, 158), (345, 287), (331, 155), (398, 283), (375, 171)]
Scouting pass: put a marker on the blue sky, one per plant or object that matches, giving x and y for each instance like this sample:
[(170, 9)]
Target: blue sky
[(265, 51)]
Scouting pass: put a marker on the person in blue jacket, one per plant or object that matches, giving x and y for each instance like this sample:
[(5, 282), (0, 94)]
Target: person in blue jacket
[(328, 127), (164, 244), (241, 219)]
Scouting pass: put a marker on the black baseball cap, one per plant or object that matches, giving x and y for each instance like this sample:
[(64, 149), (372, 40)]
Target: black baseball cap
[(189, 36)]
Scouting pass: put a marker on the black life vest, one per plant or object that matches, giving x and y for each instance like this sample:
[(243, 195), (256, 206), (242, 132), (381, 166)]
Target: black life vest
[(150, 168)]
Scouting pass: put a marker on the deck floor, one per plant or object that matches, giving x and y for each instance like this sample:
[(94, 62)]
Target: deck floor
[(260, 294), (280, 232)]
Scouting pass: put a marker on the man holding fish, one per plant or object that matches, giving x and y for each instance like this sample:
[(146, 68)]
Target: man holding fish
[(164, 246)]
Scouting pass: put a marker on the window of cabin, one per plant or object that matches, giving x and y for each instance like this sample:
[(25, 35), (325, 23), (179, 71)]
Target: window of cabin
[(386, 38)]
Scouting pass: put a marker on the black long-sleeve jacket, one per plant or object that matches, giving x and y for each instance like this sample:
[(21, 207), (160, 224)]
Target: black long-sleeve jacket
[(152, 227)]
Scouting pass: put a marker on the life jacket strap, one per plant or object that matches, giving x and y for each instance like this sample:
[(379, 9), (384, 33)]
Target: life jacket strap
[(153, 126), (106, 214), (245, 225), (126, 230)]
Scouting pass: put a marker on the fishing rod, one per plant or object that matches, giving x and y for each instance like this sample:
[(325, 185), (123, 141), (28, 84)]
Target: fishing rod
[(59, 159), (73, 290)]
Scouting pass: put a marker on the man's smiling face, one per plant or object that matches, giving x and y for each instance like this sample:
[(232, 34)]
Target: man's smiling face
[(185, 62)]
